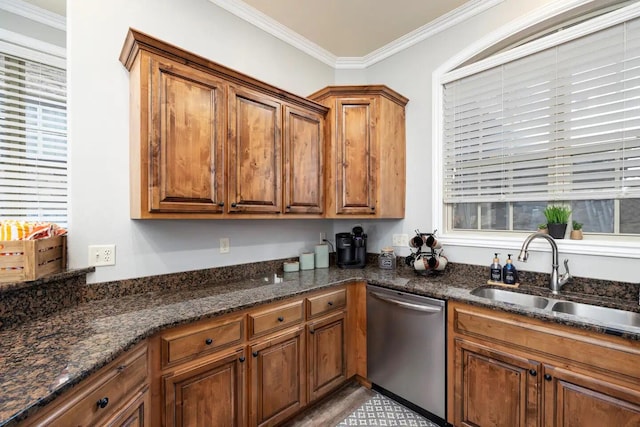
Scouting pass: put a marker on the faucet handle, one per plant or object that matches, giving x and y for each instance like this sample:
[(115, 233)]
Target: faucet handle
[(567, 275)]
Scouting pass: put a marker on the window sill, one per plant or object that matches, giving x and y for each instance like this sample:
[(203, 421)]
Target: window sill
[(622, 247)]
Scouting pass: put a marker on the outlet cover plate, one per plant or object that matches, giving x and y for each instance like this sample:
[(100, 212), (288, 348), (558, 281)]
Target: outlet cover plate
[(101, 255)]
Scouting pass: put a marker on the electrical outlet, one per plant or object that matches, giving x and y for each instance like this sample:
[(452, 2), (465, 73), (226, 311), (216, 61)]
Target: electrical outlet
[(323, 236), (100, 255), (400, 240), (225, 246)]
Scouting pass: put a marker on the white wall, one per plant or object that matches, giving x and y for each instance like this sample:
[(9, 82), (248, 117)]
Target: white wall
[(410, 73), (99, 136)]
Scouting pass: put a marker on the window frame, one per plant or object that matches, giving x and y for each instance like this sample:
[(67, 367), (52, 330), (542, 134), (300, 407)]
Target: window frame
[(623, 246)]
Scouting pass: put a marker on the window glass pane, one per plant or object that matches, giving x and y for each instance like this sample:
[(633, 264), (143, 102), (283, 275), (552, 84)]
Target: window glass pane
[(528, 215), (494, 216), (597, 216), (629, 216), (465, 216)]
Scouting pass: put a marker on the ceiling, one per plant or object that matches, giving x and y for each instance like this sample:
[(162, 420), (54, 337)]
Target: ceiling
[(342, 28)]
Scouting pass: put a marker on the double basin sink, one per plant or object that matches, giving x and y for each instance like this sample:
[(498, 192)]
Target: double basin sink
[(605, 315)]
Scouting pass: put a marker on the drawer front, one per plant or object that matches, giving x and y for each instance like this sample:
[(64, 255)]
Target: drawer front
[(192, 343), (109, 392), (280, 317), (321, 304)]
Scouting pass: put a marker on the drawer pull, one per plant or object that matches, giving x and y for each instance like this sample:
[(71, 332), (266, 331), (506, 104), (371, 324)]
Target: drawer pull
[(102, 403), (547, 377), (533, 372), (208, 341), (242, 359), (280, 319), (330, 303), (255, 354)]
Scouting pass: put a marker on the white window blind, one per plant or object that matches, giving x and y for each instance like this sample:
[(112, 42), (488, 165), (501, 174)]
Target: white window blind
[(559, 124), (33, 141)]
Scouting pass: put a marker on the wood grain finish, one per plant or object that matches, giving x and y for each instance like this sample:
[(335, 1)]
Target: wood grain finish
[(255, 152), (275, 318), (278, 386), (104, 397), (136, 414), (365, 156), (575, 377), (327, 354), (210, 393), (303, 161), (325, 303)]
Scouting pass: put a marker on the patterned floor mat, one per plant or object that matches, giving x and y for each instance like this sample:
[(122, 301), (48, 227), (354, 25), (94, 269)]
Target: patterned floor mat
[(382, 411)]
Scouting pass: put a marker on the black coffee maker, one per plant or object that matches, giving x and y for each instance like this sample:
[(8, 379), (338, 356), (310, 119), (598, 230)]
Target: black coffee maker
[(351, 249)]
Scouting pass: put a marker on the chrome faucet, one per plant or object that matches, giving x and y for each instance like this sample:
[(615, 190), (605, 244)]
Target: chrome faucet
[(555, 283)]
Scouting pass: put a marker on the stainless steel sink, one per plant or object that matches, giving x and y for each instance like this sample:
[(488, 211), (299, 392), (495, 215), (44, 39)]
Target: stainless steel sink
[(511, 297), (602, 314)]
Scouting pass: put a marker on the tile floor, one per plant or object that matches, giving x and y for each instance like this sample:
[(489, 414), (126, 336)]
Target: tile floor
[(382, 411)]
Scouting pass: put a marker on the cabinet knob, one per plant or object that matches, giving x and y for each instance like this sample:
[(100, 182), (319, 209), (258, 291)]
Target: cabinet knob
[(330, 303), (373, 208), (102, 403), (311, 331), (234, 205), (242, 359), (208, 341), (221, 204), (533, 372), (280, 319), (547, 377), (288, 207), (255, 354)]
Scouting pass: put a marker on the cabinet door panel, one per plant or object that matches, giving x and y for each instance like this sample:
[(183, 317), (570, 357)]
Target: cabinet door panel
[(277, 378), (572, 399), (136, 414), (186, 164), (356, 156), (326, 345), (494, 389), (255, 141), (303, 162), (208, 394)]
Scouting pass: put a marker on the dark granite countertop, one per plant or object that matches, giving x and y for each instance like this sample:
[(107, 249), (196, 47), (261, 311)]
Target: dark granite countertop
[(45, 356)]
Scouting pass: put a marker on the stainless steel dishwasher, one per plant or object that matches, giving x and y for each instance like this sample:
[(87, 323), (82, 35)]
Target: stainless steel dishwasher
[(406, 348)]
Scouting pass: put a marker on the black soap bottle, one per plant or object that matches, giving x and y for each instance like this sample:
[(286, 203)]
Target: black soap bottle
[(496, 270), (509, 272)]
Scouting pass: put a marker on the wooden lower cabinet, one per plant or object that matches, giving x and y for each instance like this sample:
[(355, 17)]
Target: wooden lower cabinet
[(327, 354), (507, 370), (277, 387), (208, 393), (136, 414)]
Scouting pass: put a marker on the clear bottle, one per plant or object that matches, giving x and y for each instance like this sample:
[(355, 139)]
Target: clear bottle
[(387, 259)]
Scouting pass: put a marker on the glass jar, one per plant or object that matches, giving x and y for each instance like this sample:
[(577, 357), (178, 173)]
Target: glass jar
[(387, 259)]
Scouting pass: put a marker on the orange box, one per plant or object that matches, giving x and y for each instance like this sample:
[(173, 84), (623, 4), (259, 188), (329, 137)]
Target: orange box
[(24, 260)]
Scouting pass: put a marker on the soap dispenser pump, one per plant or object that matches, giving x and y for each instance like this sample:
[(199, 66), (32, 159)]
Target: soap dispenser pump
[(509, 272), (496, 270)]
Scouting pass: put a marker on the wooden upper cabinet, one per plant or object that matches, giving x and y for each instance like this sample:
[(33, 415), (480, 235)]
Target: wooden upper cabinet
[(365, 156), (255, 152), (207, 141), (303, 161)]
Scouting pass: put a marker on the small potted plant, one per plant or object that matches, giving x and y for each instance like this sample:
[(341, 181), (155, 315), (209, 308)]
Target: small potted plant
[(576, 233), (542, 228), (557, 220)]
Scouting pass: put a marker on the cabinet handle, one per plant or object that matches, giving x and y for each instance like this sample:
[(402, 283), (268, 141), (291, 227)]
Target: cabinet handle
[(102, 403), (242, 359), (311, 331), (288, 207), (255, 354), (234, 205), (547, 377), (208, 341), (330, 303), (373, 208), (280, 319), (221, 204), (533, 372)]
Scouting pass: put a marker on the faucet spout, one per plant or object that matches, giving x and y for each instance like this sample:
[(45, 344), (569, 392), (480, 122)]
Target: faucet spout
[(555, 282)]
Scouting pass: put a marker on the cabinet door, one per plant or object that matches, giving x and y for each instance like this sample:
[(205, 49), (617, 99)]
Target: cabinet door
[(207, 394), (303, 162), (356, 156), (186, 164), (494, 389), (255, 142), (136, 414), (277, 378), (572, 399), (327, 361)]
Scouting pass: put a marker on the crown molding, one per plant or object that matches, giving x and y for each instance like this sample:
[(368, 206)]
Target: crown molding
[(35, 13), (265, 23), (276, 29)]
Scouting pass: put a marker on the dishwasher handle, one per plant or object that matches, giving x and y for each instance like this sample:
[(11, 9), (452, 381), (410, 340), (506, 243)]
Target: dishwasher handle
[(411, 306)]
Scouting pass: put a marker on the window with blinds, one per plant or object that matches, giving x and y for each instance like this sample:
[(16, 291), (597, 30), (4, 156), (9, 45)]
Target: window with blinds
[(33, 141), (560, 125)]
